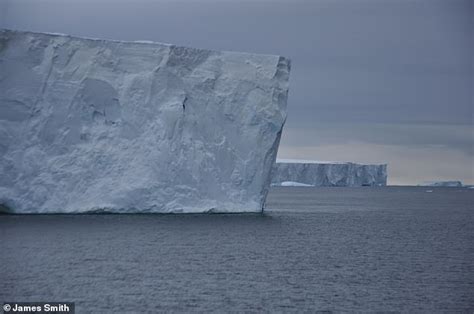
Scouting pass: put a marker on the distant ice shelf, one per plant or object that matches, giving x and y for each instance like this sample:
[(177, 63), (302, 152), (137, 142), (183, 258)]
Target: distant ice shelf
[(442, 183), (327, 173), (92, 125)]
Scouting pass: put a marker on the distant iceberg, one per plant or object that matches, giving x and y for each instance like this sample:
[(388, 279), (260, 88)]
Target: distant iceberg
[(328, 173), (455, 184)]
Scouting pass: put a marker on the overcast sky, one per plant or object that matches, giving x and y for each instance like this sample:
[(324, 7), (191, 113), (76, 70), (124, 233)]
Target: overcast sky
[(384, 81)]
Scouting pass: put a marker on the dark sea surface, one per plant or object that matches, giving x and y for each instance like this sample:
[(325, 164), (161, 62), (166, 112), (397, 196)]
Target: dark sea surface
[(399, 249)]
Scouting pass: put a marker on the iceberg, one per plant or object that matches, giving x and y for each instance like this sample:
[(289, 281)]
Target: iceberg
[(327, 173), (456, 184), (92, 125)]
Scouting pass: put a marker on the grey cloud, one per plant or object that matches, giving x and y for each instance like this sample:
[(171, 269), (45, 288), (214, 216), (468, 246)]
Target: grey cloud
[(449, 137)]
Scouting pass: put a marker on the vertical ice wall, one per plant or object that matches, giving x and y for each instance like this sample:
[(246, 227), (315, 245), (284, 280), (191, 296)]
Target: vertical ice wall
[(98, 125)]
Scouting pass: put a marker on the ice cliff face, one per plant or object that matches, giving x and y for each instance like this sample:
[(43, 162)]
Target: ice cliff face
[(96, 125), (328, 173)]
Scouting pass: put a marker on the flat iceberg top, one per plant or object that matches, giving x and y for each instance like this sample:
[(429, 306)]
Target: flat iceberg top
[(138, 42), (302, 161), (90, 125)]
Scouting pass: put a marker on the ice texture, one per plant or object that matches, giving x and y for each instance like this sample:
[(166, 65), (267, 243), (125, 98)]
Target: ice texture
[(89, 125), (327, 173)]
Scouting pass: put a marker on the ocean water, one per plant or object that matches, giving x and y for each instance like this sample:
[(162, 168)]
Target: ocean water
[(399, 249)]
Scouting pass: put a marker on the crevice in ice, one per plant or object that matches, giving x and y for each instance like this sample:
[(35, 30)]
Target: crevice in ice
[(184, 103)]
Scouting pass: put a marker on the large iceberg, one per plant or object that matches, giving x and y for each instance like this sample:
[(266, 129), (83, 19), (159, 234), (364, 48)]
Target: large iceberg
[(89, 125), (324, 173)]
